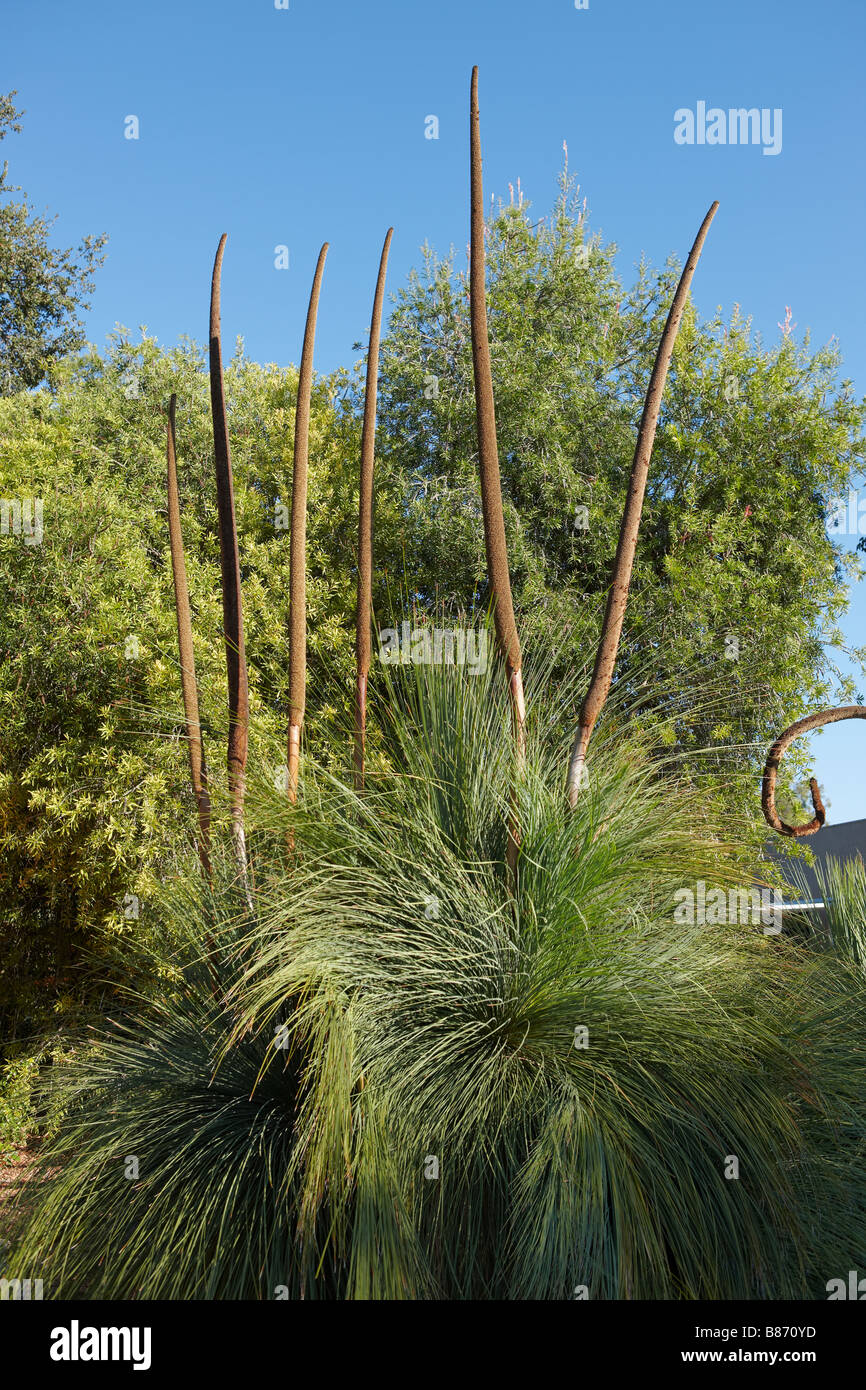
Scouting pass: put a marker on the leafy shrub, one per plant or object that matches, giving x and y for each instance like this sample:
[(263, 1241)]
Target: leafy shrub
[(16, 1088)]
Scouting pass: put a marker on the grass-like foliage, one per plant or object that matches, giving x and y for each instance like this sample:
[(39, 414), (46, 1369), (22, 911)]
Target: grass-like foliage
[(488, 1089), (168, 1175), (842, 924)]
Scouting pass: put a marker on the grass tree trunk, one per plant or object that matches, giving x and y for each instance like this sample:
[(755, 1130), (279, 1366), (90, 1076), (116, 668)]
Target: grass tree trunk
[(189, 686), (298, 543), (617, 598), (233, 623), (363, 614), (488, 460)]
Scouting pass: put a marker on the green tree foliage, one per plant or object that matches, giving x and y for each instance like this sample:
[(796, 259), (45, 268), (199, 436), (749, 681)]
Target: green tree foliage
[(42, 289), (736, 581), (95, 803), (794, 803)]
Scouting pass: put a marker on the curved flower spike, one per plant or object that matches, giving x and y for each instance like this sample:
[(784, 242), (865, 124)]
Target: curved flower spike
[(617, 597), (774, 757)]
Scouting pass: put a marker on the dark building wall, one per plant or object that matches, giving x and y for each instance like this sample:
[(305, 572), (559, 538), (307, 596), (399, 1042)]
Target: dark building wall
[(834, 841)]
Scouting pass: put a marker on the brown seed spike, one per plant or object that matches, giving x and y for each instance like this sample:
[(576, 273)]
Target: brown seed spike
[(298, 543), (363, 615), (625, 551), (233, 623), (485, 413), (488, 456), (774, 757), (197, 764)]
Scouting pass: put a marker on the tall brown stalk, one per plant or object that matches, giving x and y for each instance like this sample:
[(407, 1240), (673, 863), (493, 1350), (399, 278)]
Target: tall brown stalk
[(363, 612), (189, 686), (233, 622), (617, 597), (774, 757), (298, 543), (488, 460)]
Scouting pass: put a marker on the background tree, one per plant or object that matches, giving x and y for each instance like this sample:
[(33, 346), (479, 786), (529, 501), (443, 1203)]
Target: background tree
[(42, 289)]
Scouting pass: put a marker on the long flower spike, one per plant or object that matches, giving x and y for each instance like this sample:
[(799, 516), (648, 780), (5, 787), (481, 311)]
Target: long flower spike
[(617, 597), (774, 757), (233, 622), (189, 685), (363, 614), (488, 460), (298, 542)]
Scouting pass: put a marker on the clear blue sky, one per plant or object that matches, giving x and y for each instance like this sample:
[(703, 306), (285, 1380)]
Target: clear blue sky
[(307, 124)]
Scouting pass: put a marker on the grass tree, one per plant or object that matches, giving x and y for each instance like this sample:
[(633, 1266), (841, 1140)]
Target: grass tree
[(298, 542), (617, 598), (427, 1088), (363, 611), (495, 543), (524, 1045)]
